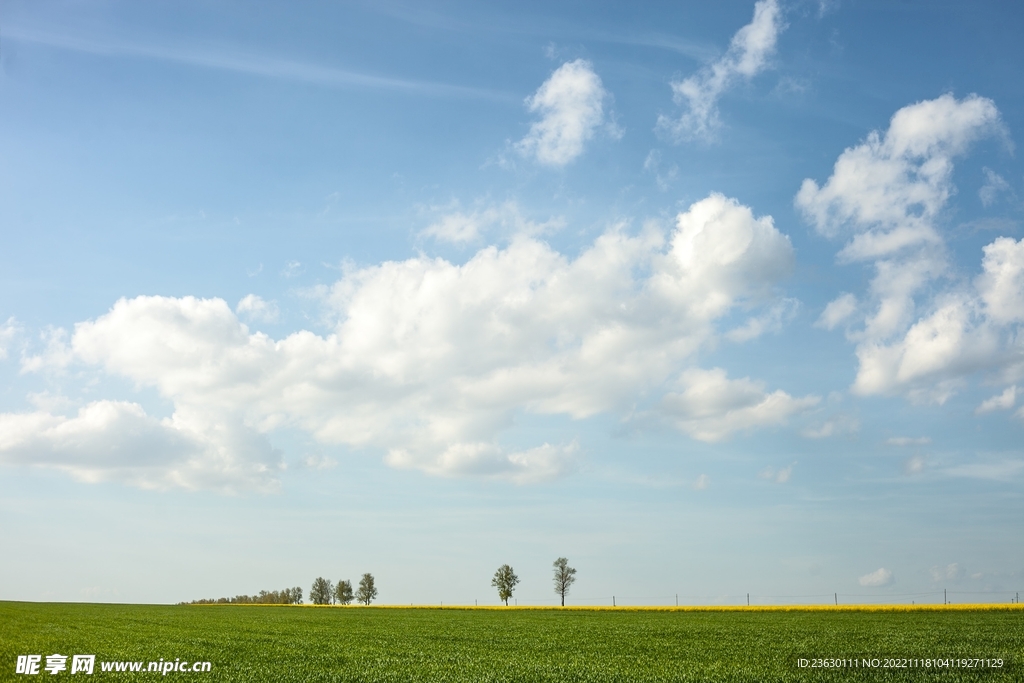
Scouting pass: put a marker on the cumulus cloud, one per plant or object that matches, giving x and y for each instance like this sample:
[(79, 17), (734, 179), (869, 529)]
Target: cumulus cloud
[(571, 109), (709, 406), (460, 227), (885, 197), (256, 309), (430, 361), (116, 440), (747, 56), (877, 578)]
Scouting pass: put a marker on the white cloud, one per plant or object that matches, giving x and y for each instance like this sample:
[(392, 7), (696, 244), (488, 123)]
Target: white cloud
[(771, 321), (886, 196), (994, 185), (779, 476), (837, 425), (838, 311), (951, 572), (571, 107), (652, 164), (429, 361), (117, 440), (888, 190), (709, 406), (463, 227), (256, 309), (1003, 401), (877, 578), (747, 56), (8, 332), (908, 441), (291, 269), (701, 483), (258, 62), (914, 465), (318, 462), (1001, 285), (1007, 469), (55, 357)]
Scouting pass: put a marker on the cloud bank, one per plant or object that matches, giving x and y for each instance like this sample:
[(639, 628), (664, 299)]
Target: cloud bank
[(886, 198), (428, 361)]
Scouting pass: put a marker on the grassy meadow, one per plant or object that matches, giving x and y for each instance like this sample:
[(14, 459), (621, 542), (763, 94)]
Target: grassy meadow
[(309, 644)]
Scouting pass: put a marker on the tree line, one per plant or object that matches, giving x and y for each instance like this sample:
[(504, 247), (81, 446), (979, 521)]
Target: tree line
[(323, 592), (285, 596)]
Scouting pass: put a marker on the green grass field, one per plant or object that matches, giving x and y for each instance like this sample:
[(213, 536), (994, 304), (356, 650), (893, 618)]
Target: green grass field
[(267, 643)]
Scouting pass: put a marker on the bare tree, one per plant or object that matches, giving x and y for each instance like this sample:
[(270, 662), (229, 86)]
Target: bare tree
[(505, 581), (565, 576), (343, 592), (367, 591), (322, 591)]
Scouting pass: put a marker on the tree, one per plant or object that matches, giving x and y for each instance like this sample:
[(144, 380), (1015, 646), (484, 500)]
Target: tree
[(343, 592), (505, 581), (564, 577), (367, 591), (321, 592)]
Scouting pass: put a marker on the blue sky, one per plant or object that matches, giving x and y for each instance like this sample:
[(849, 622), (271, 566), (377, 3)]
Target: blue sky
[(710, 299)]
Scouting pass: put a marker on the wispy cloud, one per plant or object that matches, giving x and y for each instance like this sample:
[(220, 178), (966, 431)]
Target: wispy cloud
[(877, 578), (836, 425), (1002, 470), (779, 476), (8, 331), (1003, 401), (908, 441), (256, 309), (250, 63), (994, 185), (747, 56), (460, 227)]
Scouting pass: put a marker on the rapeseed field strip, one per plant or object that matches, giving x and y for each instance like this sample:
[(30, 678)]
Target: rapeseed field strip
[(865, 607)]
